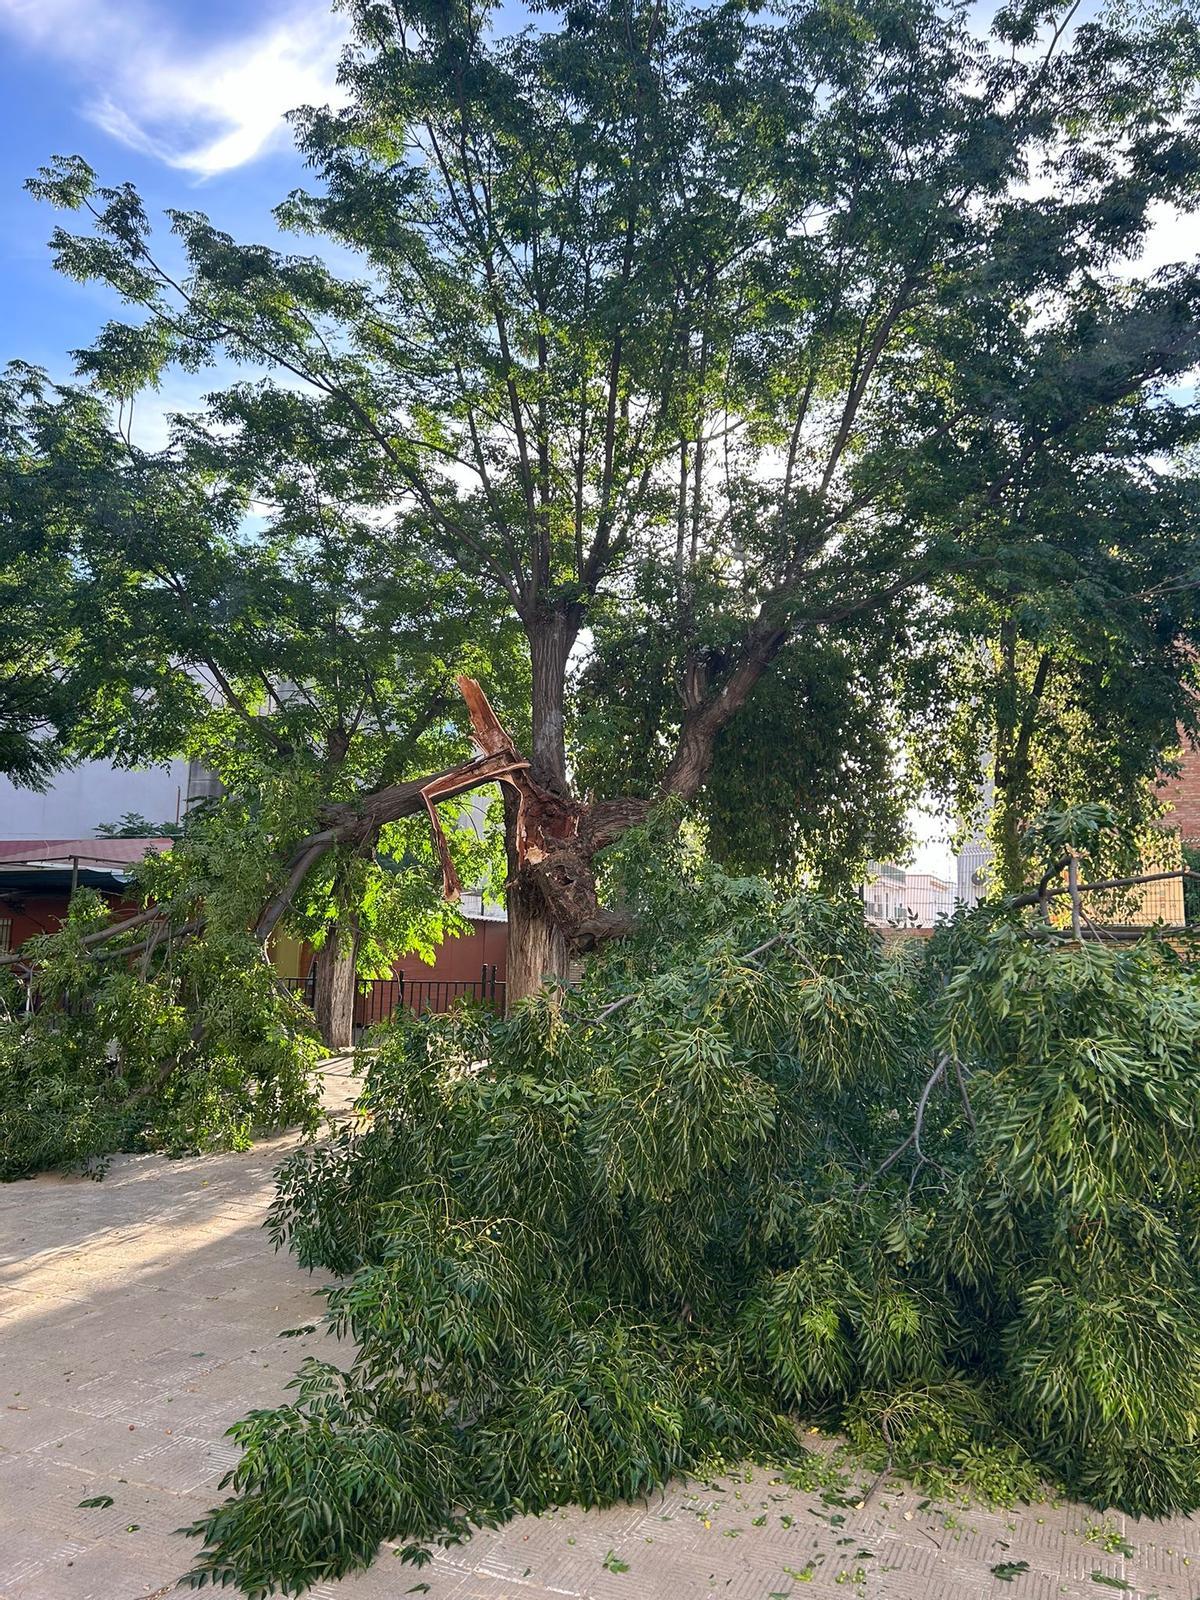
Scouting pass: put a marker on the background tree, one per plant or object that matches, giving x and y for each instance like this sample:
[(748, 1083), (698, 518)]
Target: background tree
[(42, 686), (805, 781), (226, 609), (1067, 671), (132, 825), (33, 702), (756, 301)]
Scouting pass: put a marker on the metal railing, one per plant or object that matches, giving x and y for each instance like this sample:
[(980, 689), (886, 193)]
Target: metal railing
[(377, 998), (1081, 923), (304, 988)]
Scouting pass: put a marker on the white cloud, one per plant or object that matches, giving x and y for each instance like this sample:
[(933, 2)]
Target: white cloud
[(204, 110)]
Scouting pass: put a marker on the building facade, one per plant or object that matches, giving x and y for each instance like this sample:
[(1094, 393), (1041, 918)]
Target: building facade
[(894, 898), (83, 798)]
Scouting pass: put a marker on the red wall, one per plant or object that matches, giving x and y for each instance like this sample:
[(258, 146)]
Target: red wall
[(1182, 794), (458, 960), (41, 914), (464, 958)]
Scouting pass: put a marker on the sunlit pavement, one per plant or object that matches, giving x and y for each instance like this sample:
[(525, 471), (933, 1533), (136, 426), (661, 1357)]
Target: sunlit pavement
[(140, 1316)]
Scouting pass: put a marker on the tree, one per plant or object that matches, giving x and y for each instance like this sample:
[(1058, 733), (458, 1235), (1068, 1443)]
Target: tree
[(748, 302), (132, 825), (39, 691), (1067, 671), (232, 610), (32, 701)]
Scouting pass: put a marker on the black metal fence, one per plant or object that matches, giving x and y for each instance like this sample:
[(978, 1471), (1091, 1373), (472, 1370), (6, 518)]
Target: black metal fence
[(377, 998), (305, 988)]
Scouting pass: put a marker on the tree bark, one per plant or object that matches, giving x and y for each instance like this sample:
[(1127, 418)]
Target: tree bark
[(1008, 857), (537, 948), (333, 998), (551, 636)]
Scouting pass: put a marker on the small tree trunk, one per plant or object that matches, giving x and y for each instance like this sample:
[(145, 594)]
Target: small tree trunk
[(1008, 824), (333, 1000)]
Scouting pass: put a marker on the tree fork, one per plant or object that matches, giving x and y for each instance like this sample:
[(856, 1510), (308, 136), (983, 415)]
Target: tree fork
[(554, 839)]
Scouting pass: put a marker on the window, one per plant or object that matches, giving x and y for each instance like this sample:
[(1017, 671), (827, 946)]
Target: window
[(5, 934)]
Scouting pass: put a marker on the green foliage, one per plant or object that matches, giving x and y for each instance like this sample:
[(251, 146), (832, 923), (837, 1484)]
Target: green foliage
[(232, 604), (763, 328), (804, 781), (1067, 667), (1107, 842), (178, 1035), (183, 1043), (1191, 886), (395, 894), (132, 825), (757, 1169)]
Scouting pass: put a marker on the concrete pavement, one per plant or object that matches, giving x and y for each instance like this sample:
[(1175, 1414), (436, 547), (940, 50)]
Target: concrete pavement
[(140, 1316)]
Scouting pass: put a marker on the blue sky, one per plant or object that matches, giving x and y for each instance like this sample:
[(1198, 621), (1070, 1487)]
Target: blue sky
[(185, 98)]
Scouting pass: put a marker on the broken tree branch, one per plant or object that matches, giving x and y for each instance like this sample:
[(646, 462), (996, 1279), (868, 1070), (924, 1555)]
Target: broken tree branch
[(913, 1140), (100, 935), (543, 821)]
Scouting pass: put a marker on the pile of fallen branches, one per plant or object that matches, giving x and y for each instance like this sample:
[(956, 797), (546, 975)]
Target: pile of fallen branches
[(758, 1169), (122, 1037)]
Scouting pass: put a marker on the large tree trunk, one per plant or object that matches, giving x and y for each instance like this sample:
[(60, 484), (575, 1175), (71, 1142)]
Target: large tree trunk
[(551, 637), (333, 999), (537, 948), (537, 943)]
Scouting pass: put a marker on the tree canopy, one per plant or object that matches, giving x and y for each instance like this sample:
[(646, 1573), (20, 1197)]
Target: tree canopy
[(760, 326), (1066, 671), (217, 607)]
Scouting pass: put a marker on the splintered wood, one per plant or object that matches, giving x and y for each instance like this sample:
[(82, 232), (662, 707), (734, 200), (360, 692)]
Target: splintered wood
[(540, 816)]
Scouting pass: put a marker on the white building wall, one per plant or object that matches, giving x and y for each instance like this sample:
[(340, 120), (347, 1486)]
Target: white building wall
[(929, 897), (82, 798), (971, 865), (893, 897), (975, 857), (883, 894)]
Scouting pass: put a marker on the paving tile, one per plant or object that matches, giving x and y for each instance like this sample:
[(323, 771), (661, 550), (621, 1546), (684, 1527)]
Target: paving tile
[(103, 1571), (26, 1425)]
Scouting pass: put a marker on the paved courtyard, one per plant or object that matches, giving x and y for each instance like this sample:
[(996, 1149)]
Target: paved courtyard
[(140, 1316)]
